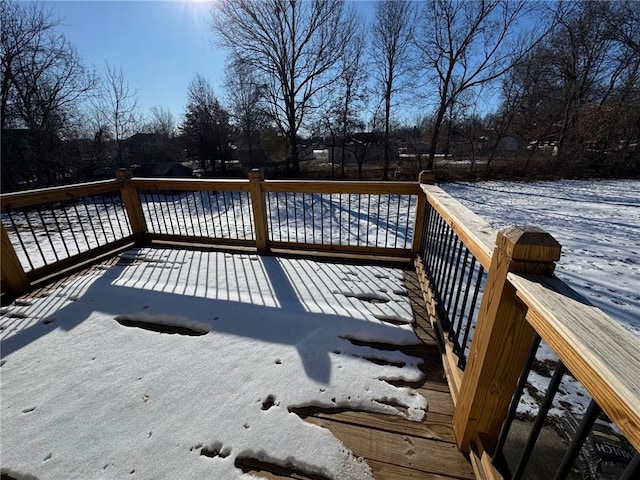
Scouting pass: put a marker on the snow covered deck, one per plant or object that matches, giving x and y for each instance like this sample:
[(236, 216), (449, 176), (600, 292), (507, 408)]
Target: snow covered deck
[(189, 363), (164, 363)]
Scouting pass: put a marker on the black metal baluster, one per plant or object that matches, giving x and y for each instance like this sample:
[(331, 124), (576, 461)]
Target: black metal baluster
[(451, 271), (469, 272), (173, 218), (84, 233), (313, 220), (386, 230), (19, 235), (62, 239), (340, 219), (204, 213), (244, 228), (218, 215), (445, 271), (632, 471), (99, 216), (540, 419), (358, 217), (150, 202), (106, 210), (35, 238), (277, 194), (462, 361), (437, 264), (456, 270), (407, 224), (515, 399), (44, 227), (195, 207), (184, 218), (304, 217), (90, 217), (73, 233), (579, 437), (321, 219), (377, 220), (233, 211), (162, 215), (115, 213)]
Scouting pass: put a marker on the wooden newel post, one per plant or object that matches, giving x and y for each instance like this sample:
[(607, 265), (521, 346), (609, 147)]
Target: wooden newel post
[(502, 337), (256, 177), (132, 205), (426, 177), (13, 276)]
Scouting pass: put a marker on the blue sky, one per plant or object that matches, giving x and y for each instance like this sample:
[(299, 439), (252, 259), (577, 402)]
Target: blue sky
[(159, 44)]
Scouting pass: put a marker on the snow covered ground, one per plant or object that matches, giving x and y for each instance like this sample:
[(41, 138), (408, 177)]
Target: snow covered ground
[(597, 222), (89, 386)]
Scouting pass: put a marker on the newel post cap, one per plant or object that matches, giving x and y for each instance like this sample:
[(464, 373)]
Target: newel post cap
[(124, 173), (256, 173), (528, 244), (427, 176)]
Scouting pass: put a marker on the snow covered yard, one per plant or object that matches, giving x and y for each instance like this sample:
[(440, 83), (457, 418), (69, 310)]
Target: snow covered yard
[(597, 222), (91, 388)]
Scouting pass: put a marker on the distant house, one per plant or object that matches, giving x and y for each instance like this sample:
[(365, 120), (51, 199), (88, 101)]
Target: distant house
[(163, 169), (361, 147), (509, 144)]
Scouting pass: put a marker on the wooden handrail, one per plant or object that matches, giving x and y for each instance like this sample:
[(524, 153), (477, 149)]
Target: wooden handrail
[(596, 349), (311, 186), (29, 198), (191, 184), (475, 232)]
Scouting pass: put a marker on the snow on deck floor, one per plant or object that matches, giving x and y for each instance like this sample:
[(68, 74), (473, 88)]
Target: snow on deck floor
[(87, 392)]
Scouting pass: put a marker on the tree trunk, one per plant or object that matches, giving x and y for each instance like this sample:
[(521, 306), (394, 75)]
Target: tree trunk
[(387, 115), (436, 133)]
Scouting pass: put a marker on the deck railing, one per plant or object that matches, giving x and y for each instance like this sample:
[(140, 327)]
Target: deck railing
[(45, 231), (491, 295), (489, 345)]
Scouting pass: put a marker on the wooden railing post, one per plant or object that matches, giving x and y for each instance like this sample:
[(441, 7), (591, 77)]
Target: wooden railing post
[(132, 205), (429, 178), (256, 177), (13, 275), (502, 336)]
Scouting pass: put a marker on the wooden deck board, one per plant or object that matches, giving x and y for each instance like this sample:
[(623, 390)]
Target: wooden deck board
[(391, 450), (394, 447)]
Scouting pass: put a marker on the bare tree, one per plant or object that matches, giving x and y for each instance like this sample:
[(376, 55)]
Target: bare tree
[(118, 106), (43, 81), (163, 122), (391, 55), (623, 17), (292, 46), (468, 44), (352, 91), (246, 96)]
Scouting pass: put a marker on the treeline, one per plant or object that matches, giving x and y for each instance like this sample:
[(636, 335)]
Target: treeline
[(497, 86)]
